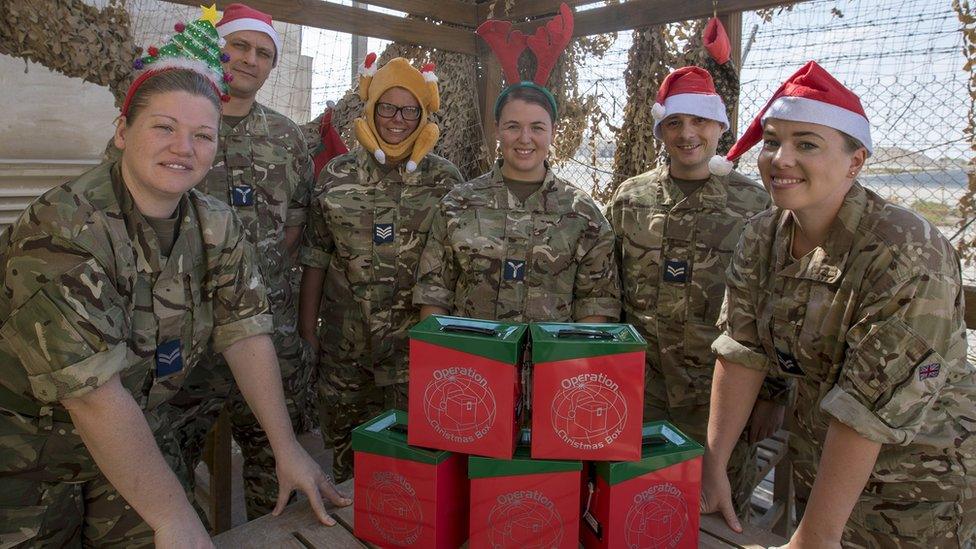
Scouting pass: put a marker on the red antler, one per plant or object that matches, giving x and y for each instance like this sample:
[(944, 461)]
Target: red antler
[(549, 41), (507, 44)]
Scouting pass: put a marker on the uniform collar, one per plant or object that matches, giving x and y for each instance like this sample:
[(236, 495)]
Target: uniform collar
[(375, 172), (254, 123), (826, 262), (540, 201), (713, 194)]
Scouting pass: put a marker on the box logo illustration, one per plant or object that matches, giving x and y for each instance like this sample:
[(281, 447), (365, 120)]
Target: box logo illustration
[(393, 508), (588, 412), (524, 519), (657, 518), (459, 405)]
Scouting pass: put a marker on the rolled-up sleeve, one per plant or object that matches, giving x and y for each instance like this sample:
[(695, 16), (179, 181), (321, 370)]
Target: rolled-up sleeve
[(241, 303), (69, 336), (437, 272), (318, 244), (909, 341), (596, 291)]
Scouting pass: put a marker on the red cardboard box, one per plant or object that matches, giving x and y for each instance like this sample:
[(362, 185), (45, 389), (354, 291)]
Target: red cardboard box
[(465, 391), (587, 391), (651, 503), (405, 496), (524, 503)]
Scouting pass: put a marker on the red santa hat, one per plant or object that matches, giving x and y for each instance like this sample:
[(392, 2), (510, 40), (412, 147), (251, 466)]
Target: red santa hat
[(688, 90), (811, 95), (238, 17)]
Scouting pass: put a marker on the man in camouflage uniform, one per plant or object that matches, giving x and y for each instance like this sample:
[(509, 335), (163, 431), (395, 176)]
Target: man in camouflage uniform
[(676, 227), (87, 292), (549, 258), (869, 324), (367, 226), (264, 172)]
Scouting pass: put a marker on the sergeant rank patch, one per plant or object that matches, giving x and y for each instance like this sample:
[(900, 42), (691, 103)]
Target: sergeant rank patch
[(382, 233)]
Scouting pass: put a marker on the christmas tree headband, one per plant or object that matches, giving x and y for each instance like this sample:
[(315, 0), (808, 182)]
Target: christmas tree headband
[(194, 47), (547, 43)]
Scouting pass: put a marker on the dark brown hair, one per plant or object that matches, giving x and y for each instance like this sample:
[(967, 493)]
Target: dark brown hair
[(851, 144), (529, 95), (172, 80)]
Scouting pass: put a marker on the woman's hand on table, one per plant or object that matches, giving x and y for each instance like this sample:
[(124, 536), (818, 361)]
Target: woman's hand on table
[(298, 471)]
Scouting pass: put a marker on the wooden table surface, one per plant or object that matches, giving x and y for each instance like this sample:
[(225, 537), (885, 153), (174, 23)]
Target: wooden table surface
[(297, 528)]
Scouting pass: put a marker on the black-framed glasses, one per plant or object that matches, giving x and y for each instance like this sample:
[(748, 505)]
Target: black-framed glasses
[(389, 110)]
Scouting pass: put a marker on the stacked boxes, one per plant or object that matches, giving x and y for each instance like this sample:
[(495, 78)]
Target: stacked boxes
[(464, 393), (524, 502), (406, 496), (648, 503), (587, 391)]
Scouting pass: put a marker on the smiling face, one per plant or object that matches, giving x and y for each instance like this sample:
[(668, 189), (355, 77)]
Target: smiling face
[(167, 148), (394, 130), (806, 167), (524, 134), (690, 142), (252, 55)]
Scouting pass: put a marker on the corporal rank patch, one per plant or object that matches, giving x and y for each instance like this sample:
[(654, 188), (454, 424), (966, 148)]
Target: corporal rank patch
[(514, 269), (676, 270), (382, 233), (242, 195), (169, 358)]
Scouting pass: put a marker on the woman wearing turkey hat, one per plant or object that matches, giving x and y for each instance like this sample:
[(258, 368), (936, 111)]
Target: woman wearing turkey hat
[(860, 302)]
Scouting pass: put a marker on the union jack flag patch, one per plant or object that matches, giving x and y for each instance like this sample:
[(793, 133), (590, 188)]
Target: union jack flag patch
[(929, 371)]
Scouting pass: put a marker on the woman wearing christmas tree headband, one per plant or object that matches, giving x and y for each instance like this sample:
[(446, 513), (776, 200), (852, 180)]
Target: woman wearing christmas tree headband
[(519, 243), (113, 285)]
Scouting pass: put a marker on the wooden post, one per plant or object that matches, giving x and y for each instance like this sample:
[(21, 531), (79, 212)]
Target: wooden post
[(489, 86), (217, 458), (733, 26)]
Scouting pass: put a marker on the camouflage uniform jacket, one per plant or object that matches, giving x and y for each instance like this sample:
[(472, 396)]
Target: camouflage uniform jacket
[(490, 257), (264, 172), (85, 294), (673, 252), (870, 325), (366, 228)]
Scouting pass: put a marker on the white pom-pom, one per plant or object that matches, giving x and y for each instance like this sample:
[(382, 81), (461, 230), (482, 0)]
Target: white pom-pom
[(429, 76), (221, 42), (368, 71), (658, 111), (718, 165), (380, 156), (411, 166)]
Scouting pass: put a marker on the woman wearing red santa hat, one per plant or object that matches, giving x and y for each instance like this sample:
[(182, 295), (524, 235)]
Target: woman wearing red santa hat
[(860, 302)]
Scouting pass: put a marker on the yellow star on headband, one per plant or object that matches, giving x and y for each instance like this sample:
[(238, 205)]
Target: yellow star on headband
[(210, 14)]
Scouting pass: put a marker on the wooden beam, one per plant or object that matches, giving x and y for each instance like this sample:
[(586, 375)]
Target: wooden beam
[(489, 86), (450, 11), (535, 8), (644, 13), (326, 15), (969, 293)]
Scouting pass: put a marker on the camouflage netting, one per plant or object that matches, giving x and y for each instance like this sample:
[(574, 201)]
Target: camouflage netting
[(73, 38), (967, 204)]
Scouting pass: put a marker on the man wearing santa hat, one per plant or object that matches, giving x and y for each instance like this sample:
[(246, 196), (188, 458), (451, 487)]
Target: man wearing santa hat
[(264, 172), (676, 228)]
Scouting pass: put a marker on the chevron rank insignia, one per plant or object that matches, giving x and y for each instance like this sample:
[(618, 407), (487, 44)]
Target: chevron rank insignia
[(514, 269), (788, 363), (169, 358), (383, 233), (676, 270), (242, 195), (929, 371)]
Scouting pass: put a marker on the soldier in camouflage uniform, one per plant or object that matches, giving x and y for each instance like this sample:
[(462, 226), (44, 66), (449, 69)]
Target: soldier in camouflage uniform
[(112, 288), (518, 243), (676, 227), (367, 226), (860, 303), (264, 172)]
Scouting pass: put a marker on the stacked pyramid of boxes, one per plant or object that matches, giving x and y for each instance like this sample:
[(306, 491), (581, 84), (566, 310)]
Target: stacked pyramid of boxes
[(584, 471)]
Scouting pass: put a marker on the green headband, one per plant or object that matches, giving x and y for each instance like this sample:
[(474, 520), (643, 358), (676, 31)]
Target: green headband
[(527, 84)]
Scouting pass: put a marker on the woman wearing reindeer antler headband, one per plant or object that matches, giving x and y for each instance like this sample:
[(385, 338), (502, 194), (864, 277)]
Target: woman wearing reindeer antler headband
[(518, 243)]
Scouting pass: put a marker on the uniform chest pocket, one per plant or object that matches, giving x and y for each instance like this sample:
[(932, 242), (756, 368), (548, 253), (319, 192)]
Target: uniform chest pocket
[(554, 251), (790, 347), (478, 240)]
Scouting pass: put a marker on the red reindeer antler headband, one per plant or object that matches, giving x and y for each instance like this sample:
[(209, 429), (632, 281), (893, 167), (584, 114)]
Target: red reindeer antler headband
[(547, 43)]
